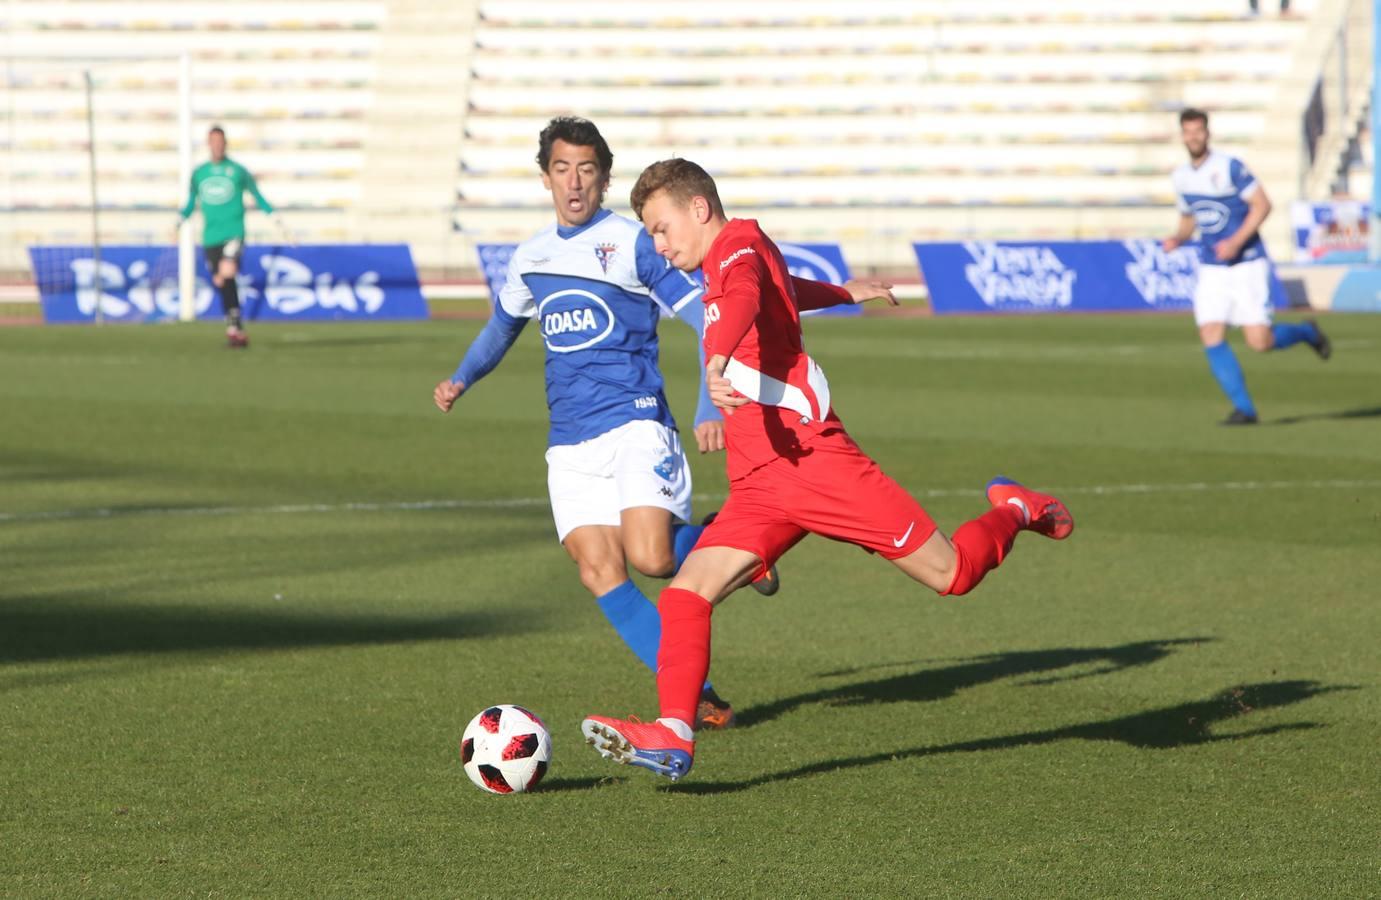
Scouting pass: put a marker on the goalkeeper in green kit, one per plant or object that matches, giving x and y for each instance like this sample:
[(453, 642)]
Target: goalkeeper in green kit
[(220, 185)]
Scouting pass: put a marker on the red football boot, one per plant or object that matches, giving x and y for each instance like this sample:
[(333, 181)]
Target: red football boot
[(650, 745), (1044, 514)]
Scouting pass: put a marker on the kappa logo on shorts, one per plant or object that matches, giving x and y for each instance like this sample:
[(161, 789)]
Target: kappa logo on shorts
[(666, 468), (667, 492)]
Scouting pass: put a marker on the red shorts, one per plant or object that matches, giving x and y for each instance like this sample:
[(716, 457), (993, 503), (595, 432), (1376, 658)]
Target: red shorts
[(835, 491)]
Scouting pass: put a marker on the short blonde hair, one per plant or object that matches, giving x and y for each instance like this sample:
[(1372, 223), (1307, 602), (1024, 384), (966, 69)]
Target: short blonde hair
[(681, 179)]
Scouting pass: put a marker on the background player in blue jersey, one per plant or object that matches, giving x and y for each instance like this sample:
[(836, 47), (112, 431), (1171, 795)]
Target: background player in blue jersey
[(1221, 199), (618, 479)]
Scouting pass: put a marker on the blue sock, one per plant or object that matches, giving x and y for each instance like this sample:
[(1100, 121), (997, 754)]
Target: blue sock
[(683, 538), (636, 620), (1223, 363), (1287, 334)]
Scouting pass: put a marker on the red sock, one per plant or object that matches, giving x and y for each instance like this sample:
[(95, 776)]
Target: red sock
[(683, 660), (981, 545)]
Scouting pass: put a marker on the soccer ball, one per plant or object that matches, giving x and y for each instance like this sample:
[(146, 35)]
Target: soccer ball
[(505, 750)]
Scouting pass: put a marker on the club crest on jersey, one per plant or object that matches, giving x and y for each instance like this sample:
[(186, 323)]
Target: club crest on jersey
[(605, 254)]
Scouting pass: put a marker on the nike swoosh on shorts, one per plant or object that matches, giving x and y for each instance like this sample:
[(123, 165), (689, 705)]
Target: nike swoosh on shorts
[(897, 542)]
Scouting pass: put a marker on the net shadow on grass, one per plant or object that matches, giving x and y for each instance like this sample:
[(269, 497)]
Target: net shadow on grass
[(54, 630), (1184, 725), (1040, 666), (1369, 412)]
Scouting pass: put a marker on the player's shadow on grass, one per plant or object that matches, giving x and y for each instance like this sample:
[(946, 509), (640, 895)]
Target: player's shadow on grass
[(1184, 725), (53, 629), (1369, 412), (940, 683)]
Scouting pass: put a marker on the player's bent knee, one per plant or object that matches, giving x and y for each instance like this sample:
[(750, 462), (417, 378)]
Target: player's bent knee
[(960, 584), (601, 577), (715, 572), (652, 561)]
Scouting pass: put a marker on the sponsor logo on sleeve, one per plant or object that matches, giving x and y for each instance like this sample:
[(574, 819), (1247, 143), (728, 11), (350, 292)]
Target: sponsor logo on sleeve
[(728, 260)]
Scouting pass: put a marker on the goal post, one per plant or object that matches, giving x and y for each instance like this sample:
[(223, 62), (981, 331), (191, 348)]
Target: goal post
[(186, 267), (90, 164)]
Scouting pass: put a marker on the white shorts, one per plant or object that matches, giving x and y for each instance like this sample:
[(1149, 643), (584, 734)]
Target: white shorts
[(1237, 295), (636, 464)]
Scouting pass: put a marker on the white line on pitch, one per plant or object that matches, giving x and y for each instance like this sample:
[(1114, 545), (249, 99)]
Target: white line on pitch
[(524, 502)]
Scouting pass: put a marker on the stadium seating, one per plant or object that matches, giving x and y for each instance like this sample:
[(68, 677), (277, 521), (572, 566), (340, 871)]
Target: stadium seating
[(876, 124), (882, 123)]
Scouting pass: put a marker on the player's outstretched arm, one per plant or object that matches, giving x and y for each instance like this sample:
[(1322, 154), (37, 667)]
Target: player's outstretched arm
[(484, 353), (820, 295), (864, 289), (253, 187)]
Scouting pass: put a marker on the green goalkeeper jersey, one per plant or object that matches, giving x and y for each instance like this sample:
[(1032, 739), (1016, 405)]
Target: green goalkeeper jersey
[(220, 186)]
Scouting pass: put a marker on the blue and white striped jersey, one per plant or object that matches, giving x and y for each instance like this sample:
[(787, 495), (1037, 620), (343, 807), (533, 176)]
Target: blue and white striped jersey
[(1215, 194), (597, 292)]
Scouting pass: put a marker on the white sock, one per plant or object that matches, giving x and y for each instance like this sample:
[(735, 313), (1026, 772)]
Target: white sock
[(679, 728), (1025, 513)]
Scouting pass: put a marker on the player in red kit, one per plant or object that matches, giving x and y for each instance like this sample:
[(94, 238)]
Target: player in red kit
[(793, 469)]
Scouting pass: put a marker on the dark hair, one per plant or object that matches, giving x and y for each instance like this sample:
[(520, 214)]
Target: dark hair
[(681, 179), (577, 131), (216, 129), (1190, 114)]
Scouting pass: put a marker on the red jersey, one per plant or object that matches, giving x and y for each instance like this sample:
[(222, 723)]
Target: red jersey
[(752, 316)]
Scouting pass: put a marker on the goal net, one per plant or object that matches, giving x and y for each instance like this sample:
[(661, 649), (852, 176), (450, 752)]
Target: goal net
[(97, 157)]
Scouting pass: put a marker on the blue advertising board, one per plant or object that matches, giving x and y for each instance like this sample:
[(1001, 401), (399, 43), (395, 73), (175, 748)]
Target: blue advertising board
[(494, 265), (139, 284), (818, 262), (1063, 276)]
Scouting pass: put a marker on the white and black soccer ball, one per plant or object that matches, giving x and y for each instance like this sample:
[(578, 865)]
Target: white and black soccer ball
[(505, 749)]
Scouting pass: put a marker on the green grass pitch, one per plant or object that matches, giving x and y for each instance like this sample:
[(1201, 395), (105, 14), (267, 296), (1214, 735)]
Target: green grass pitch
[(248, 601)]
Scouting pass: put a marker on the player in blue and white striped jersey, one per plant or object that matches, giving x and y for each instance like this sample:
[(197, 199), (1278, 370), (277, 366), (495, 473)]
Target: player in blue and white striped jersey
[(618, 478), (1221, 199)]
